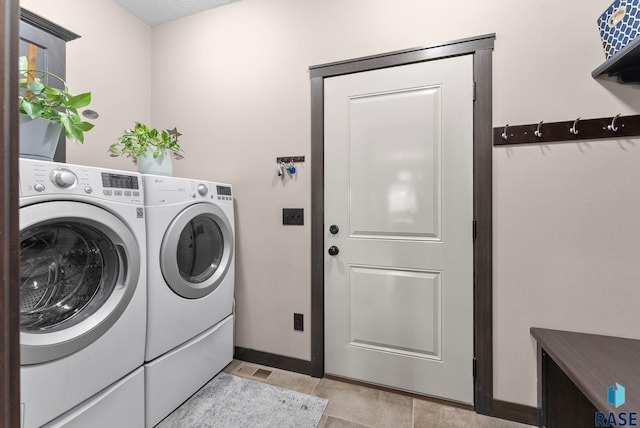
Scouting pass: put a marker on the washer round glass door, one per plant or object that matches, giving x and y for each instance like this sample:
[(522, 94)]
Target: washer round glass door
[(197, 250), (78, 273)]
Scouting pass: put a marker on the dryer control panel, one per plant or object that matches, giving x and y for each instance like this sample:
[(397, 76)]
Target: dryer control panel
[(51, 178), (161, 190), (224, 192)]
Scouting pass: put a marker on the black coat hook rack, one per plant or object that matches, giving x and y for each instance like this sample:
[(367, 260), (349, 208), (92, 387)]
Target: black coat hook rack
[(573, 130)]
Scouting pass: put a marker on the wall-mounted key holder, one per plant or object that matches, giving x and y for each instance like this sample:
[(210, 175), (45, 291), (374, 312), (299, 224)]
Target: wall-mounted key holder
[(573, 130), (287, 159), (287, 163)]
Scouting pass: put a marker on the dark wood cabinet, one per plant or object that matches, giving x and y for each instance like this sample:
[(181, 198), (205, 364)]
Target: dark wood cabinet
[(47, 42), (575, 371)]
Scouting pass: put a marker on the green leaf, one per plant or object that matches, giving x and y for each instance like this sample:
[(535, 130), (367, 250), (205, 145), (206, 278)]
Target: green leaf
[(75, 132), (85, 126), (78, 101), (27, 108), (52, 92), (33, 109), (36, 87), (23, 64), (66, 124)]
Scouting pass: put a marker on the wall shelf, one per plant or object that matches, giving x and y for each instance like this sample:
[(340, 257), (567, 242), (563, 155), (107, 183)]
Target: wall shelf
[(625, 64)]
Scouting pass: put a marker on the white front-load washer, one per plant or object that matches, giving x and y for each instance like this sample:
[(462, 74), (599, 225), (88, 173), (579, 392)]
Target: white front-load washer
[(82, 293), (191, 274)]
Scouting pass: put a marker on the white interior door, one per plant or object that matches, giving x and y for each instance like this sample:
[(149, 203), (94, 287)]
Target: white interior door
[(399, 191)]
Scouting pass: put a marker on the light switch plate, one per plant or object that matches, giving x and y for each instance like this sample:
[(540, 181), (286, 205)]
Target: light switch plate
[(293, 216)]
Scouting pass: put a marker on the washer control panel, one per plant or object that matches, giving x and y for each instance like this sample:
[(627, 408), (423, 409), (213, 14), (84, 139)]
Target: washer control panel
[(46, 178), (64, 178)]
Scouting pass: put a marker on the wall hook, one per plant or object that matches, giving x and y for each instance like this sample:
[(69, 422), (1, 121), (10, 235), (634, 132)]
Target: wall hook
[(504, 133), (537, 132), (613, 126), (574, 128), (606, 127)]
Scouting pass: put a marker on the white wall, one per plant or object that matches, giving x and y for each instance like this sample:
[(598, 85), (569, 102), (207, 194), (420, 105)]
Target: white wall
[(234, 81)]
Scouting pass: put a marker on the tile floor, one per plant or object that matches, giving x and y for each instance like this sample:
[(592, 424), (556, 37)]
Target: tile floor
[(355, 406)]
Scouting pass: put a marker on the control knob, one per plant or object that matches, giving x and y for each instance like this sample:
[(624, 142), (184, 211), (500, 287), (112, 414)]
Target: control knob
[(202, 189), (63, 178)]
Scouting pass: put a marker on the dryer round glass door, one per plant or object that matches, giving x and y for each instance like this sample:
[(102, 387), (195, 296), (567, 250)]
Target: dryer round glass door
[(197, 251), (200, 249), (78, 272)]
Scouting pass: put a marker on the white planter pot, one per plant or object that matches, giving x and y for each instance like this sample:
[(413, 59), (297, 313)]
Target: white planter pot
[(159, 166), (38, 138)]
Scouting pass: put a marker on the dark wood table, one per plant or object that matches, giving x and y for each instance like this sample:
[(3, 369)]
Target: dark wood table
[(575, 371)]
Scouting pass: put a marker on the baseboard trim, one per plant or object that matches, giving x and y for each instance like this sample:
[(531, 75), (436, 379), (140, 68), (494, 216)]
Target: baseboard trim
[(515, 412), (273, 360)]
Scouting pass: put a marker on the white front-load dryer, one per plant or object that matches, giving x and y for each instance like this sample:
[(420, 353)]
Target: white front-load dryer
[(82, 291), (191, 274)]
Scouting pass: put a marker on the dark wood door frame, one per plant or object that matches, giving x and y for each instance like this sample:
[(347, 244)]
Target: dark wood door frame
[(481, 48), (9, 229)]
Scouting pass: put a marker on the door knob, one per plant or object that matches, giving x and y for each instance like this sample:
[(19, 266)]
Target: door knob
[(333, 250), (333, 229)]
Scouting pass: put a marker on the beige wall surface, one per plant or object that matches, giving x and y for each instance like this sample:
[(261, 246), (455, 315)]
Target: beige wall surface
[(234, 80)]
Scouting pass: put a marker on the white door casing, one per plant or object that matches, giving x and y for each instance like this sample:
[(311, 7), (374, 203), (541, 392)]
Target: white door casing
[(399, 186)]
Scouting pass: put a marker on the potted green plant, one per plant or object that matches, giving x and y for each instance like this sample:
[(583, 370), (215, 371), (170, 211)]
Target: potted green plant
[(45, 111), (149, 148)]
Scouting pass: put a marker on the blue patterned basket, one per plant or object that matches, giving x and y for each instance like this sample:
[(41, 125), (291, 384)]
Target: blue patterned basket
[(619, 25)]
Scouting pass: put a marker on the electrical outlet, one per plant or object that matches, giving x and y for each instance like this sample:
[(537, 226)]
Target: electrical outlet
[(298, 322), (293, 216)]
